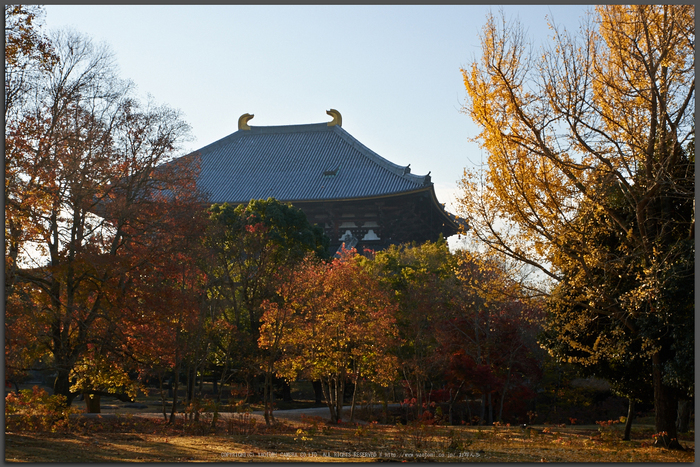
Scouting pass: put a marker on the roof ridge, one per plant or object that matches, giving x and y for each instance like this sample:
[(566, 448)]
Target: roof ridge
[(263, 129), (267, 129)]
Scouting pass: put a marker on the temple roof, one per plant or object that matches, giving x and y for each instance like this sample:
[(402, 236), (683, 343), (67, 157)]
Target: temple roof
[(299, 163)]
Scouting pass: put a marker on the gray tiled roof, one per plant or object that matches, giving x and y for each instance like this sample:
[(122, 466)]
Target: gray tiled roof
[(298, 163)]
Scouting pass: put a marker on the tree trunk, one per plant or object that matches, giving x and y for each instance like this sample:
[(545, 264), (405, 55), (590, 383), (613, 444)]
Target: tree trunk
[(352, 405), (268, 394), (174, 406), (190, 385), (339, 394), (503, 398), (318, 391), (453, 399), (469, 408), (684, 409), (628, 422), (247, 391), (162, 393), (174, 385), (287, 391), (222, 384), (419, 399), (62, 386), (327, 389), (196, 395), (505, 388), (482, 415), (385, 405), (267, 399), (666, 408), (92, 401)]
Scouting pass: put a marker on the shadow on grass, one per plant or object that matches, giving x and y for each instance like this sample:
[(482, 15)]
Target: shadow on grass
[(65, 447)]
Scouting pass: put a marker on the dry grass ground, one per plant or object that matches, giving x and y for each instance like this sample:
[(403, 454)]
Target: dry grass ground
[(126, 434), (242, 438)]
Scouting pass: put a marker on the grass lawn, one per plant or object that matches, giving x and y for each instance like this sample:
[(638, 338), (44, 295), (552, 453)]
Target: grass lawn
[(125, 434), (241, 437)]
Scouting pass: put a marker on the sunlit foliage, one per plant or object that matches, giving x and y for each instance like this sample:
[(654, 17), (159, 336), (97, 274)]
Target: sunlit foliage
[(611, 106), (334, 323)]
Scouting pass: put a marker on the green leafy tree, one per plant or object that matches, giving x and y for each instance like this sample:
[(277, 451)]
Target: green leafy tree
[(423, 281), (606, 349), (250, 244)]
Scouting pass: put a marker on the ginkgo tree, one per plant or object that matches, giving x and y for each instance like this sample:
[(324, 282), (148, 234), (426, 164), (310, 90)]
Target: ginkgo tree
[(612, 105), (334, 323)]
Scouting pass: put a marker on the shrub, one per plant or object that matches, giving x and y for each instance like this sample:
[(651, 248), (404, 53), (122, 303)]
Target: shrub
[(241, 424), (457, 440), (35, 410), (418, 432), (606, 429)]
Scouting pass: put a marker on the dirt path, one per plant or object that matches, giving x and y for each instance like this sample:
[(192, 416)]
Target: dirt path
[(293, 415)]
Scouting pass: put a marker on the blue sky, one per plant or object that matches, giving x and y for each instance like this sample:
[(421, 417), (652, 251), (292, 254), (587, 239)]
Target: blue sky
[(392, 71)]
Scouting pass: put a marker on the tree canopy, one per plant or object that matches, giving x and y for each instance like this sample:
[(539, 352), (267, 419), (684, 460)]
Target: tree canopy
[(83, 192), (609, 108), (250, 243), (334, 322)]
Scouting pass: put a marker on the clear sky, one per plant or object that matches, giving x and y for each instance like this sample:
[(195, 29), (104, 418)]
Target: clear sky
[(392, 71)]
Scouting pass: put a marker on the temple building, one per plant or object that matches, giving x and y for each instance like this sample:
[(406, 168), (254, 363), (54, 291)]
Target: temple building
[(360, 198)]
